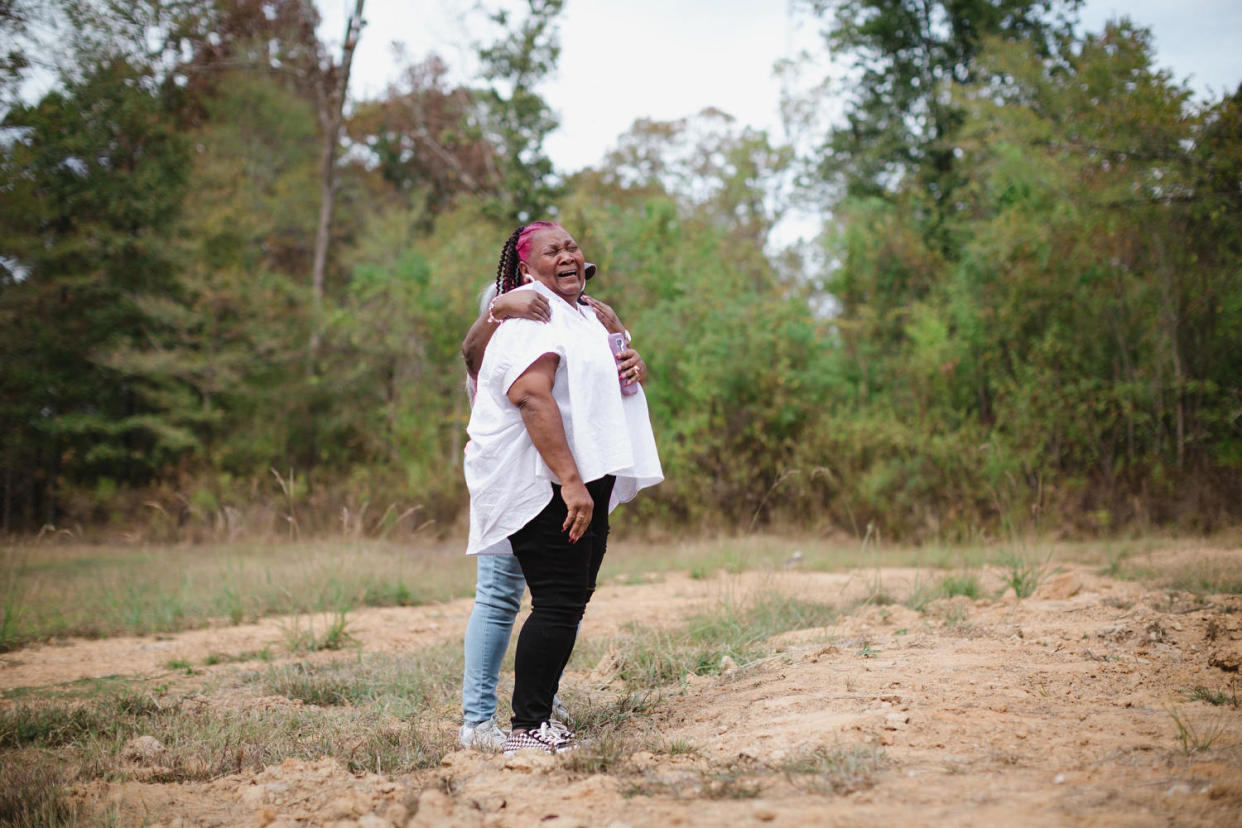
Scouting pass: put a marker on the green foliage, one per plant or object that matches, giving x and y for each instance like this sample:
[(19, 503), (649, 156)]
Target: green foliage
[(94, 179), (1065, 355), (900, 125), (197, 361), (15, 18), (518, 119), (1027, 315)]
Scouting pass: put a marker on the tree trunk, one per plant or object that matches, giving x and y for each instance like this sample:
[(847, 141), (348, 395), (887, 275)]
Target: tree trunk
[(8, 496), (1171, 299), (333, 85)]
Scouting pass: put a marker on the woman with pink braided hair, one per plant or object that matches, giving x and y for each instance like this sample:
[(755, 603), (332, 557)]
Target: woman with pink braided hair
[(554, 447)]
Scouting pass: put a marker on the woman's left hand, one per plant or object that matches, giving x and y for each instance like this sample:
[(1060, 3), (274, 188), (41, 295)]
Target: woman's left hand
[(606, 315), (630, 366)]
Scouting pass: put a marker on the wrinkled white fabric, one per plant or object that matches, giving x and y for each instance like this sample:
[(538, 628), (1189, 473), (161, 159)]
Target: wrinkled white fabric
[(608, 433)]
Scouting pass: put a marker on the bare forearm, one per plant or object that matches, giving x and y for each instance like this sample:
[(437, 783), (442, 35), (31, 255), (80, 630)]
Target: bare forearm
[(543, 422), (475, 343)]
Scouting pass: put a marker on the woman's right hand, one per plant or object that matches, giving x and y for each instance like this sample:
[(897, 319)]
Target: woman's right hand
[(522, 304), (580, 508)]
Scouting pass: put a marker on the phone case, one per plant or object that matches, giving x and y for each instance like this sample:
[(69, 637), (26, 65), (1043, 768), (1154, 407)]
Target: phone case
[(617, 342)]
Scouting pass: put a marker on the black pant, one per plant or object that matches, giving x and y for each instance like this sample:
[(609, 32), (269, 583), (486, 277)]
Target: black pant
[(561, 576)]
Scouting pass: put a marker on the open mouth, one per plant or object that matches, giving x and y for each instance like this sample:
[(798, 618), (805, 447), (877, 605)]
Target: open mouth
[(570, 273)]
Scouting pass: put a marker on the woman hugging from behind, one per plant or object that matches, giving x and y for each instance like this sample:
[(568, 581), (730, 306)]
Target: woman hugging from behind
[(554, 448)]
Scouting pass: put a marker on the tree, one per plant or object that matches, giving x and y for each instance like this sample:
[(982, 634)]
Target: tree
[(1066, 357), (332, 83), (709, 164), (421, 141), (15, 19), (94, 179), (221, 355), (515, 119), (907, 55), (1104, 160)]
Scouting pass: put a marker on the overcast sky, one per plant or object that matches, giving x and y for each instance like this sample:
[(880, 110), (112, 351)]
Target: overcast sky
[(667, 59)]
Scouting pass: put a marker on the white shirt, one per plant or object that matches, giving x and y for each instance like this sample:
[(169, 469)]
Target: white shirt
[(608, 433)]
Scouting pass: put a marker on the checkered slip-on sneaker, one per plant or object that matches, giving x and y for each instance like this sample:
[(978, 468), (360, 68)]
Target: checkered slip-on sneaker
[(545, 738)]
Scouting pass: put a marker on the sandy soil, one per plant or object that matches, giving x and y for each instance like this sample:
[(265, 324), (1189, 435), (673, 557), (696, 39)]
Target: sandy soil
[(1053, 710)]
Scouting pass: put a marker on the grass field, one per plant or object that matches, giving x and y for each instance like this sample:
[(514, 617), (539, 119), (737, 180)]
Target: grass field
[(314, 693), (50, 589)]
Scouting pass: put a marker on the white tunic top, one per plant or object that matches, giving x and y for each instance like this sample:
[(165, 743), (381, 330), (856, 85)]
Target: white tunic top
[(608, 433)]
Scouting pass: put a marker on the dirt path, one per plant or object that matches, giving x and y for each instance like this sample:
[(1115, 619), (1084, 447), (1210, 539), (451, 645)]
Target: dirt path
[(665, 600), (1057, 709)]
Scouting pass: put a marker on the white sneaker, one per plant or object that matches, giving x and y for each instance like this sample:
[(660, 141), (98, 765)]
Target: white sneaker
[(482, 736), (558, 709)]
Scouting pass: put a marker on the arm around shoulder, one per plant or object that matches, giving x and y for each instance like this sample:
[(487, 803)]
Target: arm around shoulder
[(518, 304)]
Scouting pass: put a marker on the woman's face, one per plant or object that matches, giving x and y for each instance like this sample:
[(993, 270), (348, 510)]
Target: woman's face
[(555, 260)]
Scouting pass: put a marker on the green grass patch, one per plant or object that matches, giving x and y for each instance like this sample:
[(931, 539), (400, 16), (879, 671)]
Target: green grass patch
[(48, 591), (1207, 578), (401, 685), (1024, 569), (925, 592), (373, 714), (963, 583), (735, 630), (1216, 698), (332, 634), (703, 559), (48, 727), (1211, 573), (677, 747), (213, 659)]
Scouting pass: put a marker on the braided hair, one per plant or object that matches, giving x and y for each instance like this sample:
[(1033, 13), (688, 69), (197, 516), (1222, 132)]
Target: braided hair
[(507, 275), (515, 250)]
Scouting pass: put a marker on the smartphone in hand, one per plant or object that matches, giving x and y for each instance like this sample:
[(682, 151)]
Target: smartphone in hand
[(617, 342)]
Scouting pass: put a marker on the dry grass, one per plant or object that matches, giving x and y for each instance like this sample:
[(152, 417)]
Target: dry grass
[(50, 589), (386, 713), (380, 714), (33, 791), (97, 591), (1207, 573), (734, 632), (377, 712)]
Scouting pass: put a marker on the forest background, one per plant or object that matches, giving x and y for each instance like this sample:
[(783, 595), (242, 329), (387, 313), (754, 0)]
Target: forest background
[(231, 298)]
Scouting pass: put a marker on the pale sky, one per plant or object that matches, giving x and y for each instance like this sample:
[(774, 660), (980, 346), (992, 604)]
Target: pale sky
[(668, 59)]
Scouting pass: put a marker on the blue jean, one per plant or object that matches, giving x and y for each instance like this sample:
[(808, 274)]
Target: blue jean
[(497, 598)]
